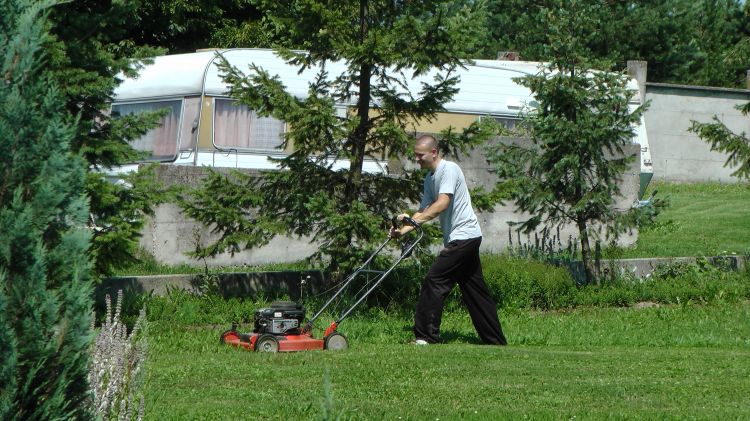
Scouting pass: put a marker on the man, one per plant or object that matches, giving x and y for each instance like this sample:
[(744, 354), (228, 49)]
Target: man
[(447, 196)]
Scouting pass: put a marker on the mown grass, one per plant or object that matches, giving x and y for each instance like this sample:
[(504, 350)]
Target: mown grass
[(571, 353), (703, 219), (683, 361)]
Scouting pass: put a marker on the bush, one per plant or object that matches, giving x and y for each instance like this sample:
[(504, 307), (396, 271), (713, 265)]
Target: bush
[(523, 283), (699, 282)]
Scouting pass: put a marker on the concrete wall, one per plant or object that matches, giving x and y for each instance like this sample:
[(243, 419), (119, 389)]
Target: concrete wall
[(169, 235), (679, 155)]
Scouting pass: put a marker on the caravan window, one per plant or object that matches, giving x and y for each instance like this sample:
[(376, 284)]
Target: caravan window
[(238, 127), (508, 123), (190, 115), (161, 142)]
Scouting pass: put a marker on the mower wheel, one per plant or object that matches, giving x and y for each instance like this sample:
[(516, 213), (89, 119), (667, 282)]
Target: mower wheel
[(336, 342), (267, 343)]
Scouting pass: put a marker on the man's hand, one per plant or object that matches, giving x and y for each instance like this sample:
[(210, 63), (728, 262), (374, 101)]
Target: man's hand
[(396, 232)]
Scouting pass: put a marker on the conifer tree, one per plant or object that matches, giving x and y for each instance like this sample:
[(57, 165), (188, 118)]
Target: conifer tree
[(84, 59), (45, 282), (568, 172), (383, 44), (722, 139)]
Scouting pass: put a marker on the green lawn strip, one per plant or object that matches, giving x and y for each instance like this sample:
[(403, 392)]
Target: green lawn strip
[(675, 362), (703, 219)]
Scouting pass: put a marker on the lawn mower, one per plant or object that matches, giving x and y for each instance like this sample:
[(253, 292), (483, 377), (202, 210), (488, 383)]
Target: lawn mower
[(279, 328)]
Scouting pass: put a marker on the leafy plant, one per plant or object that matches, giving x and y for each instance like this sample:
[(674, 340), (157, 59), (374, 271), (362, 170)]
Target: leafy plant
[(84, 60), (721, 139)]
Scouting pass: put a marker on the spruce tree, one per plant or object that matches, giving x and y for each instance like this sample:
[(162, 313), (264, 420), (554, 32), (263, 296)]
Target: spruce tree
[(569, 170), (383, 44), (722, 139), (45, 283)]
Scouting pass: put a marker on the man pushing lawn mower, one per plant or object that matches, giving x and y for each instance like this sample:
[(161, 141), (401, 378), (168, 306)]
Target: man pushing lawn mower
[(447, 196)]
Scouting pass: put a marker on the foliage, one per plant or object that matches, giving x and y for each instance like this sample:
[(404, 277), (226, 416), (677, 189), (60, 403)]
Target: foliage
[(525, 283), (84, 59), (721, 139), (183, 26), (570, 170), (45, 267), (120, 216), (721, 35), (684, 41), (117, 374), (670, 284), (515, 283), (383, 45)]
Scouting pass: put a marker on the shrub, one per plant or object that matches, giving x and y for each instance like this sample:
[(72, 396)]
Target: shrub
[(45, 265), (522, 283), (699, 282), (515, 283)]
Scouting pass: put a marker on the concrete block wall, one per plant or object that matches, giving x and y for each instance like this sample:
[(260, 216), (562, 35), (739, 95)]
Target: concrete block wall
[(170, 235)]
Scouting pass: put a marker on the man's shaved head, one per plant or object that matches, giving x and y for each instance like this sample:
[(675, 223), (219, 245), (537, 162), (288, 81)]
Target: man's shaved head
[(427, 141), (426, 152)]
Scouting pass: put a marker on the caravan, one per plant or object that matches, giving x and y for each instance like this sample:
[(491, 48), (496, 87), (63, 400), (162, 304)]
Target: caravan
[(205, 127)]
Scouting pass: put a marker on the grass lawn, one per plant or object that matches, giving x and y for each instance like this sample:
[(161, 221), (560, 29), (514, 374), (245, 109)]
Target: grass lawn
[(662, 362), (705, 219)]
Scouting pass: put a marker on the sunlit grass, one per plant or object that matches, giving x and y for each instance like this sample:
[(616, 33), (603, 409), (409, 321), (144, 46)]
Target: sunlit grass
[(668, 361), (704, 219)]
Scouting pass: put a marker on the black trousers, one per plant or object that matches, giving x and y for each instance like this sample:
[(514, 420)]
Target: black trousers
[(458, 263)]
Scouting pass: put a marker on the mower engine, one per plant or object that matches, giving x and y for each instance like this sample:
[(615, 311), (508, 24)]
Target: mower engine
[(283, 317)]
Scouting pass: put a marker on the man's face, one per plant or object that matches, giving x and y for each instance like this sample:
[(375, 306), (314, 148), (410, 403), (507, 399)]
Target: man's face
[(424, 155)]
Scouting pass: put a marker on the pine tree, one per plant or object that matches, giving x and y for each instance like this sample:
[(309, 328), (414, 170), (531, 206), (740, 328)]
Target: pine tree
[(383, 44), (45, 293), (568, 172)]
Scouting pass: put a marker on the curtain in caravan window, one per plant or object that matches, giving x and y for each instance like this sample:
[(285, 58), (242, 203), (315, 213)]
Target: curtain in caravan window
[(189, 130), (238, 127), (160, 142)]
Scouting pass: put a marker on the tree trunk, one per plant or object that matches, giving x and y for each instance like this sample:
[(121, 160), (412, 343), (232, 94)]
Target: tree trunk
[(588, 264), (359, 137)]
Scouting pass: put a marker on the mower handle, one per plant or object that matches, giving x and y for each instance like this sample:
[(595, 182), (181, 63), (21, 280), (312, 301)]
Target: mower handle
[(362, 268), (408, 219)]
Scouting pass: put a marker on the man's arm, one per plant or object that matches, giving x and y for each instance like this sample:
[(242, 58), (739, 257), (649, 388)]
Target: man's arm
[(435, 209), (428, 214)]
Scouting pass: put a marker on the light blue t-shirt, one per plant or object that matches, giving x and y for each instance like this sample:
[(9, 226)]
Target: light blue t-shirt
[(458, 221)]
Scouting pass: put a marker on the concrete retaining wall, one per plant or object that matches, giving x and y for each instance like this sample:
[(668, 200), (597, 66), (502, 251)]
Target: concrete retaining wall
[(288, 283), (679, 155), (228, 285), (170, 235)]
